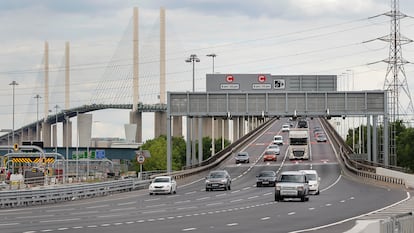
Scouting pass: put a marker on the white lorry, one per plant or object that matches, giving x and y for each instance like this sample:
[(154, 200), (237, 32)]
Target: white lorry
[(299, 144)]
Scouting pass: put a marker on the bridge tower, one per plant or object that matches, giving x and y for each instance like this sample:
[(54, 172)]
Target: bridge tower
[(135, 117), (46, 132)]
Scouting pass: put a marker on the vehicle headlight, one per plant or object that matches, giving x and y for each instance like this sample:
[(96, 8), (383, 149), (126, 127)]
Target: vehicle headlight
[(167, 186), (207, 181), (300, 188), (223, 181), (278, 187)]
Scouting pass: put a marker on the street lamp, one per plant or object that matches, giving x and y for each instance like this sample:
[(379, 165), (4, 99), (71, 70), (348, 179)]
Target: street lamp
[(213, 56), (193, 58), (37, 97), (14, 84)]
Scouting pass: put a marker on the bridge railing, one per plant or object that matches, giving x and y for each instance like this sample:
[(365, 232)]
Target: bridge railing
[(357, 167)]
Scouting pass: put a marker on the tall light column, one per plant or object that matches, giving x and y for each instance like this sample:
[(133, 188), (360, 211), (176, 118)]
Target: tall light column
[(212, 55), (193, 59), (37, 97), (14, 84)]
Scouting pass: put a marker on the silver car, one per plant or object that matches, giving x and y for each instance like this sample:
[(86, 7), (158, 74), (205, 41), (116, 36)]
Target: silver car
[(242, 157), (218, 179), (275, 148)]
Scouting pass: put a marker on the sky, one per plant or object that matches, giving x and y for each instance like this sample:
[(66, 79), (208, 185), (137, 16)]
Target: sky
[(293, 37)]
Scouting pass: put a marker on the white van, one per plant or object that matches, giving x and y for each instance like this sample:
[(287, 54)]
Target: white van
[(278, 140), (314, 180)]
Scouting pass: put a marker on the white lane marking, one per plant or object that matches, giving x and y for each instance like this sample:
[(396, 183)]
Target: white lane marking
[(92, 226), (29, 232), (62, 229), (154, 199), (291, 213), (252, 197), (59, 210), (265, 218), (217, 203), (78, 227), (181, 202), (187, 208), (127, 203), (47, 230), (246, 188), (85, 212), (105, 225), (190, 193), (122, 209), (118, 223), (203, 198), (154, 211), (237, 200), (328, 204), (98, 206), (235, 191), (140, 221), (267, 194), (220, 195), (189, 229), (352, 198), (311, 208), (60, 220), (31, 217), (109, 216), (334, 183), (342, 201), (232, 224)]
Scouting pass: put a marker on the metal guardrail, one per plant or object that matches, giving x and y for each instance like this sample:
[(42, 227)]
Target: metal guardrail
[(358, 168), (403, 223), (46, 195)]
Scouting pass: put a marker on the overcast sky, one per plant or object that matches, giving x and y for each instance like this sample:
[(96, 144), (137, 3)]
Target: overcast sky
[(263, 36)]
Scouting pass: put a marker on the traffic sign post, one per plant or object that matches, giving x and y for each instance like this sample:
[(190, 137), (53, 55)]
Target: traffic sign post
[(140, 160)]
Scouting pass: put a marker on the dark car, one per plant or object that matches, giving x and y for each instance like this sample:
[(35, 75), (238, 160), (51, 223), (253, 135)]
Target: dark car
[(218, 179), (266, 178)]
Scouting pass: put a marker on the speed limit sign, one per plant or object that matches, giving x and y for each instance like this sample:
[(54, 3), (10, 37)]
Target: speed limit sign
[(140, 159)]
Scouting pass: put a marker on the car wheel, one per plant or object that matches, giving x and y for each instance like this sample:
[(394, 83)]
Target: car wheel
[(258, 185), (317, 193), (150, 193), (229, 188), (303, 198)]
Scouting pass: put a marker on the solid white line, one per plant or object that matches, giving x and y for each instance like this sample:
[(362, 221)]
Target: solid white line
[(9, 224), (60, 220)]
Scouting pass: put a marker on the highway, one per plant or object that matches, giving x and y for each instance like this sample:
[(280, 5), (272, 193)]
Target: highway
[(244, 208)]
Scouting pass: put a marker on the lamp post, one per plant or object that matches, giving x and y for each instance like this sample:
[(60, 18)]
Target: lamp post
[(212, 55), (193, 59), (37, 97), (14, 84)]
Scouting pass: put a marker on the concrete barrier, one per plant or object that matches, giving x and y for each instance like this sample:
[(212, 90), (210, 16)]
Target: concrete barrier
[(408, 178)]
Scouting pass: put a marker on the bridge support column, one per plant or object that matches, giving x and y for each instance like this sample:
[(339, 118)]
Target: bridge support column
[(369, 145), (236, 123), (54, 135), (46, 134), (200, 139), (188, 142), (226, 129), (67, 133), (207, 126), (177, 128), (84, 129), (241, 127), (136, 118), (160, 124), (374, 139)]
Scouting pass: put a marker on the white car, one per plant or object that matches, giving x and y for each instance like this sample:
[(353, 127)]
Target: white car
[(278, 140), (314, 180), (163, 184), (285, 128)]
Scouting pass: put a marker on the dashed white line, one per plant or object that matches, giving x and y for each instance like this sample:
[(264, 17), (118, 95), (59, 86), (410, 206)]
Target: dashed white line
[(181, 202), (252, 197), (152, 206), (154, 211), (267, 194), (60, 220), (237, 200), (187, 208), (203, 198), (235, 191), (232, 224), (217, 203), (189, 229), (9, 224), (220, 195), (291, 213), (98, 206), (265, 218), (190, 193), (127, 203)]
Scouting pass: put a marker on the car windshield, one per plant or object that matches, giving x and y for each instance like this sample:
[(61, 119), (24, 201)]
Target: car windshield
[(217, 175), (266, 174), (161, 180), (278, 138), (292, 178), (242, 154), (269, 152), (273, 147), (311, 176)]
